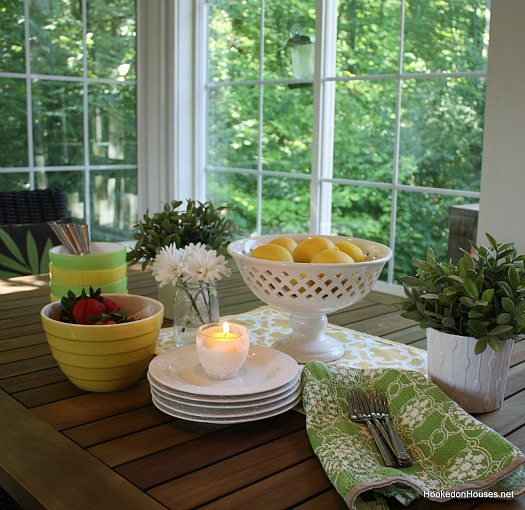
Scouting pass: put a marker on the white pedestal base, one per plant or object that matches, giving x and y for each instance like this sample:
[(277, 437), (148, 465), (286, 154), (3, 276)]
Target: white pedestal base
[(308, 342)]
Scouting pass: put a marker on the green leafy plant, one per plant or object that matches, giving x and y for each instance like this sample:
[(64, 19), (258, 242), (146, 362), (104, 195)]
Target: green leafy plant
[(199, 222), (483, 296)]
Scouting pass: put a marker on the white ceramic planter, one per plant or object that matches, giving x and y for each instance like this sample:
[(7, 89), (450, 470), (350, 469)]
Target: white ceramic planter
[(475, 381), (165, 296)]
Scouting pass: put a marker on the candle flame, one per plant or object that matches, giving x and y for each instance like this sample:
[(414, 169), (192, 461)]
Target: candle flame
[(225, 328)]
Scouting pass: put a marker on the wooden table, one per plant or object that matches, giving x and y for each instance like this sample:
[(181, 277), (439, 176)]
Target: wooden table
[(63, 448)]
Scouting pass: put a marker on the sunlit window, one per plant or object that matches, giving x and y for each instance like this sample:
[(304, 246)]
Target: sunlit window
[(379, 142), (68, 106)]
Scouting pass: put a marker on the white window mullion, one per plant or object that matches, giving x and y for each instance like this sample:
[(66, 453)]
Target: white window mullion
[(200, 156), (323, 122)]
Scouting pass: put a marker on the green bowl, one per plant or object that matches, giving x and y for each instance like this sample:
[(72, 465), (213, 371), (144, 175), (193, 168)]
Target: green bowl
[(102, 256), (117, 287)]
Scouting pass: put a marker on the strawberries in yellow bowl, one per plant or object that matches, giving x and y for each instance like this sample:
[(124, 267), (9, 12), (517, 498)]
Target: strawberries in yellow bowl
[(108, 356)]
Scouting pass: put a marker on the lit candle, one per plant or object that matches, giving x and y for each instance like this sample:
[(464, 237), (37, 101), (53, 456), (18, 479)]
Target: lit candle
[(222, 349)]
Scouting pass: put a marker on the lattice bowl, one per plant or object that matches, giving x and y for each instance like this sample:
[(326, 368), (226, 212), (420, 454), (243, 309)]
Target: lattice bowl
[(309, 291)]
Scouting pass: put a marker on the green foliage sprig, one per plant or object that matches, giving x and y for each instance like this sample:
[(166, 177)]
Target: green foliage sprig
[(199, 222), (482, 297)]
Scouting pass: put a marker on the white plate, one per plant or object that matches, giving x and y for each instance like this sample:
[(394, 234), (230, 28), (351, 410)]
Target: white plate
[(221, 401), (215, 412), (225, 421), (265, 369)]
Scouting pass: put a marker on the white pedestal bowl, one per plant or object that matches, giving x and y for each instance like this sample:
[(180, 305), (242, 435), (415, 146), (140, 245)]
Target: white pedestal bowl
[(309, 291)]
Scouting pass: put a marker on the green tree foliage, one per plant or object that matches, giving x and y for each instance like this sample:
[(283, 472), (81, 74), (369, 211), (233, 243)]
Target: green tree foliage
[(440, 126)]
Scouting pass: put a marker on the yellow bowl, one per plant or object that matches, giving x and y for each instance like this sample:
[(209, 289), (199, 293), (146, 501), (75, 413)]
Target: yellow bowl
[(83, 278), (106, 357), (117, 287)]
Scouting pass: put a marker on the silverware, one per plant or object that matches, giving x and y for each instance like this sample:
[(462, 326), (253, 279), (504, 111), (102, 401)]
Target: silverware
[(359, 411), (380, 407)]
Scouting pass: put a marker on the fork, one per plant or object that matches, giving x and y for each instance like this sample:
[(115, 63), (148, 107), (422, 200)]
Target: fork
[(380, 409), (359, 411)]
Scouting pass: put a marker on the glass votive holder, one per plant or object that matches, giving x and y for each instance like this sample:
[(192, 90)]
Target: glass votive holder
[(222, 348)]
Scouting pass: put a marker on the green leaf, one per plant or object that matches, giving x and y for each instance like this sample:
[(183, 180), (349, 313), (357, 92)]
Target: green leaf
[(411, 281), (467, 302), (471, 289), (495, 343), (504, 318), (449, 322), (487, 295), (501, 330), (412, 315), (32, 253), (507, 304), (481, 345), (478, 328), (44, 261), (14, 265), (11, 246), (514, 279)]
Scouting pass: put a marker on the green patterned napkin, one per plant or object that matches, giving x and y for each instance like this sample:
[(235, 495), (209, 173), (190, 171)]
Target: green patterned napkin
[(454, 454)]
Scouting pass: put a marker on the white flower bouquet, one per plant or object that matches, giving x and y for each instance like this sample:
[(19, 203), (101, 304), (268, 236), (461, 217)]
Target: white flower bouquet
[(193, 270), (194, 263)]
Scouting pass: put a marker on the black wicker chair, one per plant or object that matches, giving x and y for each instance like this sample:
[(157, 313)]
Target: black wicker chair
[(25, 236)]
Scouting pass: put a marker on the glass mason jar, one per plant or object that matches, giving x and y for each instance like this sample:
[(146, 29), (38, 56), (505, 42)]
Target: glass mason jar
[(194, 304)]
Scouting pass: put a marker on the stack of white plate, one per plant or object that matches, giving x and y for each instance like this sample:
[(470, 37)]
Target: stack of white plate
[(267, 385)]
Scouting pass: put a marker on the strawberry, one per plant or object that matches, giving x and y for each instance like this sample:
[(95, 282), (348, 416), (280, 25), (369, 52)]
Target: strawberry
[(92, 309), (109, 305), (88, 311)]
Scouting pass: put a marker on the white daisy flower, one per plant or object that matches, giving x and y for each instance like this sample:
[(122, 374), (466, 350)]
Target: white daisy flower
[(168, 265), (203, 265), (191, 264)]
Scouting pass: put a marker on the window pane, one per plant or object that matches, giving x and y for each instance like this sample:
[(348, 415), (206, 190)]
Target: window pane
[(70, 181), (422, 222), (447, 36), (112, 115), (368, 37), (442, 133), (12, 45), (361, 212), (13, 128), (56, 37), (239, 192), (284, 21), (287, 131), (233, 124), (234, 40), (114, 204), (14, 181), (285, 205), (111, 39), (364, 130), (57, 123)]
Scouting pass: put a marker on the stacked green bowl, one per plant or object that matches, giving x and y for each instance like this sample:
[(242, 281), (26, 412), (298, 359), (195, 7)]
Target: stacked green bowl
[(104, 268)]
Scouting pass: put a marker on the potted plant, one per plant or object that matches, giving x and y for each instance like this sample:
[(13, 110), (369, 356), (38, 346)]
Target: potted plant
[(472, 312), (198, 222)]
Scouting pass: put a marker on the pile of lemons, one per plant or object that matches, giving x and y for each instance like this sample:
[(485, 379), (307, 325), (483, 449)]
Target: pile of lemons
[(316, 250)]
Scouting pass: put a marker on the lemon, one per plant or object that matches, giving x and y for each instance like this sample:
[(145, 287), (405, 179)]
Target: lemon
[(285, 242), (351, 249), (272, 252), (334, 256), (307, 249)]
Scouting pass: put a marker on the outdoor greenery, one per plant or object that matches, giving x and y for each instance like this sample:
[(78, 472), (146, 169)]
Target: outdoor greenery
[(440, 128), (58, 107)]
